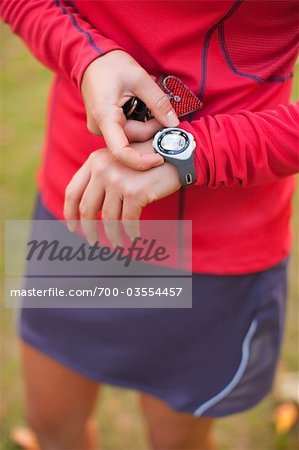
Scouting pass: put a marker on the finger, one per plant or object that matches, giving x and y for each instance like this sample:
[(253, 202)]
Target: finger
[(132, 228), (73, 194), (141, 131), (118, 144), (111, 213), (90, 230), (113, 232), (131, 211), (130, 218), (157, 101), (90, 205), (92, 126)]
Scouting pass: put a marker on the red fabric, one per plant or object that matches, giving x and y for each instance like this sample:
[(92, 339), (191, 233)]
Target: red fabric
[(238, 56), (248, 148), (183, 100)]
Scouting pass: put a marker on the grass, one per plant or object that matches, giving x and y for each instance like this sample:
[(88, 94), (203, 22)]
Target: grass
[(24, 86)]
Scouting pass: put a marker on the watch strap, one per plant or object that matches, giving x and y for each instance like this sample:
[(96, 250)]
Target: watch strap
[(186, 170)]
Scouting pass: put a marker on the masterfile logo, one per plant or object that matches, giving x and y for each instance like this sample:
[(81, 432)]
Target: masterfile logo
[(47, 266)]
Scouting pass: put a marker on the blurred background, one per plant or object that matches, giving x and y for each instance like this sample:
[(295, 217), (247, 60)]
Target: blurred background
[(273, 424)]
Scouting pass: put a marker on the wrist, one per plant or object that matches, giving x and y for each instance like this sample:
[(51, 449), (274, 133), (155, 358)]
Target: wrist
[(172, 173), (200, 162), (95, 66), (177, 147)]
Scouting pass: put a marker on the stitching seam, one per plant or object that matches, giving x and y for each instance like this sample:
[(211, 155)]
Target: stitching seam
[(236, 378)]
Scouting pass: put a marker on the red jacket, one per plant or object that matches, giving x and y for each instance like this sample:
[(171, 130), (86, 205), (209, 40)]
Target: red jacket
[(238, 55)]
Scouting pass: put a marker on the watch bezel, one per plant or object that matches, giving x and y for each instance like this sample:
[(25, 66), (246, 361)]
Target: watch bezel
[(176, 131), (181, 155)]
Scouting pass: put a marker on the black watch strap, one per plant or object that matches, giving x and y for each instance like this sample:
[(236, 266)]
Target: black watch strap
[(186, 170)]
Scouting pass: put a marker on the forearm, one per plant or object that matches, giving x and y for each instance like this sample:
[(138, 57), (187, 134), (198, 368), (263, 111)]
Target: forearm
[(246, 148)]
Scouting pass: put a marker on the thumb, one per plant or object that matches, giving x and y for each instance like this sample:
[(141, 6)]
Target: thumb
[(141, 131), (157, 101)]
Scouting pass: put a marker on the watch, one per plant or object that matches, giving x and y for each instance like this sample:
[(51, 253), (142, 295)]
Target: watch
[(177, 147)]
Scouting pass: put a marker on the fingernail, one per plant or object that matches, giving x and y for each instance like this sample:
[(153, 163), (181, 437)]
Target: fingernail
[(134, 236), (117, 244), (71, 225), (159, 161), (172, 119), (92, 240)]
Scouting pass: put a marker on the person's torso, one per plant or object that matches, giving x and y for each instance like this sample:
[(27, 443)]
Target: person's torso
[(234, 55)]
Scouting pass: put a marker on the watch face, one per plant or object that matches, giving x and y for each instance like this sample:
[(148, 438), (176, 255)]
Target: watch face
[(173, 142)]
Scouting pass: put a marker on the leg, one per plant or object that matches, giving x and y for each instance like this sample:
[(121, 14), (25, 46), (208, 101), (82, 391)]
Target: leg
[(171, 430), (59, 403)]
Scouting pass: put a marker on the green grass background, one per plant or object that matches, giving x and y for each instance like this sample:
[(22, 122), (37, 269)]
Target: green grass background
[(24, 88)]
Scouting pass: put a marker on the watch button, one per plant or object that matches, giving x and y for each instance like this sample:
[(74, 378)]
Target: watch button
[(188, 178)]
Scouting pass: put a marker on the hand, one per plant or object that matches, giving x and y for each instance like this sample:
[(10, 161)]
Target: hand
[(119, 192), (107, 84)]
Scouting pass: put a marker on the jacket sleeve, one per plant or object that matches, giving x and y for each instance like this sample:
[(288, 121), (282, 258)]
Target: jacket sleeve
[(249, 148), (56, 34)]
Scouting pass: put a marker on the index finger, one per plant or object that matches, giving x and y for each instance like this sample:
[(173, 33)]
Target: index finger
[(118, 144)]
